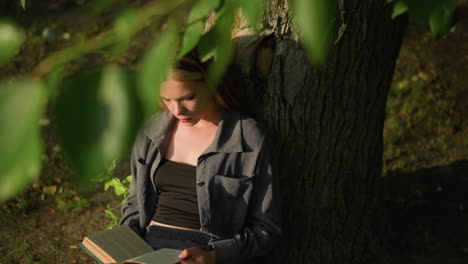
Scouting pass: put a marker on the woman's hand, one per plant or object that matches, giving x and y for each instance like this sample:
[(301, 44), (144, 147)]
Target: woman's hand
[(197, 255)]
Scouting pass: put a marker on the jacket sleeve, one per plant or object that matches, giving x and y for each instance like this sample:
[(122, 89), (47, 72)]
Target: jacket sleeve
[(262, 229), (130, 212)]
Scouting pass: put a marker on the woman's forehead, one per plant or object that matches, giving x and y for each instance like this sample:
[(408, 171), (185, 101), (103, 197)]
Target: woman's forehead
[(182, 87)]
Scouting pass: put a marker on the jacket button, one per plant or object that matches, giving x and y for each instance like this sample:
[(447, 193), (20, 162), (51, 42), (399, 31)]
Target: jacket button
[(200, 183)]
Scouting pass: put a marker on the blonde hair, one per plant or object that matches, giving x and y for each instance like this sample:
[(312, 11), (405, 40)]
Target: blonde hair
[(191, 68)]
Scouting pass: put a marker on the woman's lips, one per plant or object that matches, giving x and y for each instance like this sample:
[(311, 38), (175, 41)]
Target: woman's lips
[(184, 120)]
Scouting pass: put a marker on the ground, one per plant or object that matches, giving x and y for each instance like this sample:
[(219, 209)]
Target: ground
[(424, 181)]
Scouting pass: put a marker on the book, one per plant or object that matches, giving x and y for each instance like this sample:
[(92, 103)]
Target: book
[(121, 245)]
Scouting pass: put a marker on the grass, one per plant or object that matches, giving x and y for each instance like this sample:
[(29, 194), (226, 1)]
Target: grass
[(21, 252), (418, 107)]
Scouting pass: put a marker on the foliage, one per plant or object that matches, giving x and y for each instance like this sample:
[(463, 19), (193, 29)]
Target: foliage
[(23, 249), (101, 105), (315, 21), (69, 200), (438, 15), (19, 137), (420, 102), (11, 38), (121, 188), (418, 107), (99, 111)]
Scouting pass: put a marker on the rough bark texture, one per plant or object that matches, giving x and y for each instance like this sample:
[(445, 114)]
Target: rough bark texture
[(328, 126)]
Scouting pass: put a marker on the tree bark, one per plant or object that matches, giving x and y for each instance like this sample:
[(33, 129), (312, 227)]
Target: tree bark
[(327, 123)]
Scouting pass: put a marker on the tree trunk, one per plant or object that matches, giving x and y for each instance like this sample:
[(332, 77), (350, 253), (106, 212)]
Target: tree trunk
[(328, 125)]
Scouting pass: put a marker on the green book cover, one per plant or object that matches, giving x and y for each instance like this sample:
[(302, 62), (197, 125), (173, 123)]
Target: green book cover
[(124, 246)]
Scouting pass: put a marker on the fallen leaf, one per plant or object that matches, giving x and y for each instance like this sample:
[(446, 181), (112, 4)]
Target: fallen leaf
[(50, 190)]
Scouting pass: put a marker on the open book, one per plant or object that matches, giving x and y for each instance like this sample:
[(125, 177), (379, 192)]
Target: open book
[(123, 246)]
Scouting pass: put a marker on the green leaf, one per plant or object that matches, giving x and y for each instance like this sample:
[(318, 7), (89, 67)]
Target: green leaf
[(441, 18), (22, 103), (108, 212), (420, 10), (99, 6), (202, 9), (155, 66), (224, 49), (437, 14), (119, 188), (53, 80), (23, 4), (207, 46), (217, 43), (127, 179), (97, 119), (399, 8), (314, 21), (11, 38), (252, 10), (191, 37), (123, 29)]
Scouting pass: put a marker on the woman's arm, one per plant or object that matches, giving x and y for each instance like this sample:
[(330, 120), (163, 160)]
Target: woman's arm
[(130, 208)]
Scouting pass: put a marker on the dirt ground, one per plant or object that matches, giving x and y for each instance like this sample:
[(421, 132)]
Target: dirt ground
[(424, 186)]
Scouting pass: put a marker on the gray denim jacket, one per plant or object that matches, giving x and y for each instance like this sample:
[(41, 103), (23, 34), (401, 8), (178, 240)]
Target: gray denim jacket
[(234, 180)]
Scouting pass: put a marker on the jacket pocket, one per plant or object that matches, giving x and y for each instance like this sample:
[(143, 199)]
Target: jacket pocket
[(230, 200), (235, 187)]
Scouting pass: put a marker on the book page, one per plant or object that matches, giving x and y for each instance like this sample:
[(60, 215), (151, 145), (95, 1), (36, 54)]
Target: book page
[(121, 243), (160, 256)]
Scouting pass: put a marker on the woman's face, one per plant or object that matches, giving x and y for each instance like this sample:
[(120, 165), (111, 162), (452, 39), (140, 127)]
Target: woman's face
[(188, 101)]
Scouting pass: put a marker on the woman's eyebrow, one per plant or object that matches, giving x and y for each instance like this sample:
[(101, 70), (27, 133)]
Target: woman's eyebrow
[(180, 98)]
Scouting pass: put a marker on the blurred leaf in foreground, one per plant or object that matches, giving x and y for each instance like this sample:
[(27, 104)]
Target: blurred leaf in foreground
[(21, 106), (11, 38), (437, 14), (217, 43), (97, 118), (441, 19), (155, 67), (196, 24), (399, 8), (191, 37), (314, 20), (252, 10), (124, 26), (202, 8)]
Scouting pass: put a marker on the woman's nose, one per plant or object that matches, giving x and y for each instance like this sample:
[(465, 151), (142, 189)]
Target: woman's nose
[(177, 108)]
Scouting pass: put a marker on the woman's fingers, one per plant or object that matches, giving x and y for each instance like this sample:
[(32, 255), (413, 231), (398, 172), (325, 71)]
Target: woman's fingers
[(196, 255)]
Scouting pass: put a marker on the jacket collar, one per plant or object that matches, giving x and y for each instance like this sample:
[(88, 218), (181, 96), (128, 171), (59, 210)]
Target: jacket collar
[(228, 136)]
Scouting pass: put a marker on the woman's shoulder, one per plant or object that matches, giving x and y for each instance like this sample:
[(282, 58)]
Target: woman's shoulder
[(156, 119), (253, 131), (155, 126), (153, 129)]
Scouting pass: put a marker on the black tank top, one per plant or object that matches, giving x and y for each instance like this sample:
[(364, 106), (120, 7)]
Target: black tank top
[(177, 204)]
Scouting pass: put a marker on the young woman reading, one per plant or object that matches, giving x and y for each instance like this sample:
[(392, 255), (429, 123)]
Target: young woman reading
[(202, 176)]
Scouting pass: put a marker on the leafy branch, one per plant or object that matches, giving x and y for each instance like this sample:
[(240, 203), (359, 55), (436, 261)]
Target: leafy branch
[(124, 29)]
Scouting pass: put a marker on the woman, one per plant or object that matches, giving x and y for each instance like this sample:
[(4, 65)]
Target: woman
[(202, 177)]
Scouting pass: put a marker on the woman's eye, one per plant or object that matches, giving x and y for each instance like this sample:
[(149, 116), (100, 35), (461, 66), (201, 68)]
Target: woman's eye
[(191, 98), (165, 100)]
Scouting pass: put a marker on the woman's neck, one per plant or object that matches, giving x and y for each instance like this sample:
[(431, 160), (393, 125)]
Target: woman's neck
[(210, 118)]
